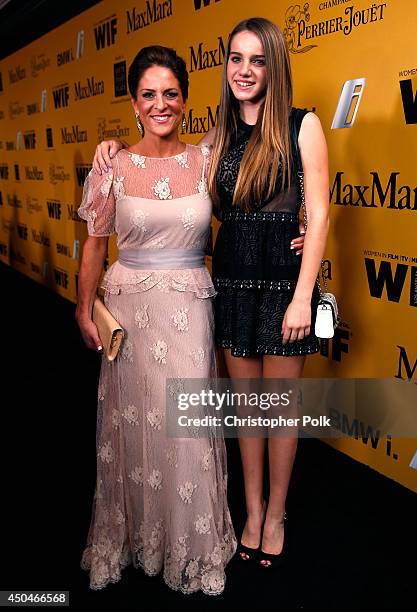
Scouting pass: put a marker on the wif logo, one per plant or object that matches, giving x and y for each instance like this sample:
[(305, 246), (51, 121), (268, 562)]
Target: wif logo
[(392, 282), (30, 139), (22, 231), (105, 33), (198, 4), (409, 100), (61, 96), (61, 278), (54, 209), (348, 104), (81, 171)]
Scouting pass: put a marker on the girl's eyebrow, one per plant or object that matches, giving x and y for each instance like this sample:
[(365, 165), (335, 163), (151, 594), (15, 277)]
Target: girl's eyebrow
[(153, 90), (237, 53)]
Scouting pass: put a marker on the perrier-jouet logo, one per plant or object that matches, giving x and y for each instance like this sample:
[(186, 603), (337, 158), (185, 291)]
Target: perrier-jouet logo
[(299, 29)]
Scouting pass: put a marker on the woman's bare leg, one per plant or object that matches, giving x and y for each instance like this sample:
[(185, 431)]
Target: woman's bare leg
[(252, 452), (281, 453)]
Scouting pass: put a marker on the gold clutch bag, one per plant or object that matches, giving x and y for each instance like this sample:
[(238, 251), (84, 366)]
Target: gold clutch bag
[(109, 330)]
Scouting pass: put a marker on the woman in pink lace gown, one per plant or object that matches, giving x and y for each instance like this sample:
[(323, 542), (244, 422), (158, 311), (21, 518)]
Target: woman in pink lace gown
[(160, 502)]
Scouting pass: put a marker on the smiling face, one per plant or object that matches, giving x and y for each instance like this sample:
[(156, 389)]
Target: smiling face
[(246, 70), (159, 101)]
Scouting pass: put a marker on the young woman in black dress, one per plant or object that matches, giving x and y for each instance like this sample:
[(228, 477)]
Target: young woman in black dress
[(267, 296)]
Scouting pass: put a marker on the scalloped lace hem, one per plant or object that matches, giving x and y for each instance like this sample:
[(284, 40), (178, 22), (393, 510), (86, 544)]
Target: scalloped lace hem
[(123, 564), (119, 279)]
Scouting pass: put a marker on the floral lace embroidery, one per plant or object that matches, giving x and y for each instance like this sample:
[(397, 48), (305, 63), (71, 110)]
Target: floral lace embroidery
[(202, 524), (155, 480), (127, 350), (131, 414), (162, 189), (172, 456), (138, 218), (137, 475), (142, 317), (138, 160), (186, 491), (159, 351), (115, 418), (180, 319), (213, 581), (106, 453), (202, 187), (188, 217), (175, 388), (163, 285), (158, 243), (207, 460), (205, 149), (154, 417), (119, 516), (198, 356), (105, 186), (182, 159), (180, 549), (119, 188)]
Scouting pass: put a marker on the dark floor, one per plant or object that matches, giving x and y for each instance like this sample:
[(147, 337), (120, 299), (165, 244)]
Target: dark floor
[(352, 531)]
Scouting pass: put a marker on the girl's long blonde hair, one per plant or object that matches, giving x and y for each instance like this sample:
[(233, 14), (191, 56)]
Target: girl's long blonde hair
[(269, 144)]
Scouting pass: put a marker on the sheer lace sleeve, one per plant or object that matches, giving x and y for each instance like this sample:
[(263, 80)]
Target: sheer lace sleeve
[(98, 205)]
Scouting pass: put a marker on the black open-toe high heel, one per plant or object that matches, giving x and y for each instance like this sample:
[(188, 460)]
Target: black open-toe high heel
[(271, 561), (246, 553)]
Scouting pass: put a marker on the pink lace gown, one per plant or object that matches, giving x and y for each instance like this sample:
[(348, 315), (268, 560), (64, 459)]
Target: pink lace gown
[(160, 502)]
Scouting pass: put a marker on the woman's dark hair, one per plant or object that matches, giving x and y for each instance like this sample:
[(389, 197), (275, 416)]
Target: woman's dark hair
[(157, 56)]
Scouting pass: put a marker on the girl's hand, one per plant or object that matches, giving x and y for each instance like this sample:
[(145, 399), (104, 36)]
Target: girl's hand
[(297, 321), (298, 243), (106, 150), (89, 333)]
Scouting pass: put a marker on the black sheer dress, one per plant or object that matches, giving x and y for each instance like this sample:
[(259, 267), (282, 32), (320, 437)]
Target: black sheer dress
[(254, 270)]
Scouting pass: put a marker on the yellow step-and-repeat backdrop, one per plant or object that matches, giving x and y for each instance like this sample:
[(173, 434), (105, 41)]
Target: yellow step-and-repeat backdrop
[(354, 63)]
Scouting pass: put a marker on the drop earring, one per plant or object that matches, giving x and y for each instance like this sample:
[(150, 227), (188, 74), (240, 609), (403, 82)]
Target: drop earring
[(184, 123), (139, 124)]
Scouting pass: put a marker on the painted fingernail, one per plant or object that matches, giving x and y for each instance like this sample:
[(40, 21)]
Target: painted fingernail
[(302, 232), (99, 348), (292, 247), (298, 253)]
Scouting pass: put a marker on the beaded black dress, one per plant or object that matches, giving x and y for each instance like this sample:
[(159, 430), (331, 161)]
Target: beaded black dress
[(254, 270)]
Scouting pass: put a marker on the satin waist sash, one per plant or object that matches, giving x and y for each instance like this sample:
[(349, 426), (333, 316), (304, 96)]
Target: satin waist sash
[(162, 259)]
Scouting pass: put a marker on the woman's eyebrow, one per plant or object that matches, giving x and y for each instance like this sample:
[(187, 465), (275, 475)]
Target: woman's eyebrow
[(237, 53)]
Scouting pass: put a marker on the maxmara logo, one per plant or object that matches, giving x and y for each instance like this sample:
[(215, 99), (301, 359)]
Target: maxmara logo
[(300, 29), (89, 89), (407, 370), (17, 74), (152, 12), (41, 237), (380, 193), (111, 131), (200, 124), (73, 135), (202, 58)]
